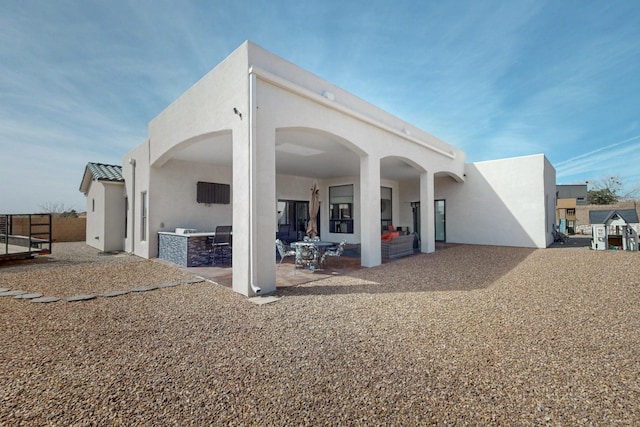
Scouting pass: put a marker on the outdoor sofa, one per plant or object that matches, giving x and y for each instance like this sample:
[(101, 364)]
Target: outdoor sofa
[(395, 245)]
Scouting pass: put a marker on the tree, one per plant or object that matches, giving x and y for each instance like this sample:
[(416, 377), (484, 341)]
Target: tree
[(604, 196), (609, 190)]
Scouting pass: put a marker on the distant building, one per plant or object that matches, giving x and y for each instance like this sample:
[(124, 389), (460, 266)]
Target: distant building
[(566, 215), (568, 197), (578, 192), (106, 206)]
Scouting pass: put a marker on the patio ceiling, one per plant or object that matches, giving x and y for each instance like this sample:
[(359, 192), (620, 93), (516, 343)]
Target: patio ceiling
[(300, 152)]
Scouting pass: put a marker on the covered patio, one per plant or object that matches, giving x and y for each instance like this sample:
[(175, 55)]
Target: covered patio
[(270, 135), (287, 274)]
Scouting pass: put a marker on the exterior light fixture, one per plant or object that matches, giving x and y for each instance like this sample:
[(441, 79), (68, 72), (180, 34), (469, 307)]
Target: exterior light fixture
[(329, 95)]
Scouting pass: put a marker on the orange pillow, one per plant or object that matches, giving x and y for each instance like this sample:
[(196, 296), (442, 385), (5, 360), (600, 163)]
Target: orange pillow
[(390, 227), (386, 237)]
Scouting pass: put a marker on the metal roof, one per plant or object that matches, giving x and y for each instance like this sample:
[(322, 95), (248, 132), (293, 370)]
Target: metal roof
[(100, 172), (630, 216)]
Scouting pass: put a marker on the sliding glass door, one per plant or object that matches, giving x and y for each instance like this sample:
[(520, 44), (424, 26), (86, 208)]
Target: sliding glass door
[(440, 220), (293, 218)]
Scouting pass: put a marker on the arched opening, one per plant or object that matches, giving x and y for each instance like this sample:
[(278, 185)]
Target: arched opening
[(214, 148)]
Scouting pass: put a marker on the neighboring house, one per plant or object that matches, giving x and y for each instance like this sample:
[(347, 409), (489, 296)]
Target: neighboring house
[(569, 197), (106, 206), (266, 130), (614, 229), (574, 191), (566, 215)]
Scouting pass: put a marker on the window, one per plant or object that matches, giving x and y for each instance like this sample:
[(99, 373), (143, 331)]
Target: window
[(211, 192), (341, 209), (440, 218), (571, 212), (143, 216), (293, 218), (385, 207), (126, 216)]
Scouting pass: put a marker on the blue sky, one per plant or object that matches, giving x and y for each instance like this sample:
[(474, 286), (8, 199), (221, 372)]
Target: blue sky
[(80, 80)]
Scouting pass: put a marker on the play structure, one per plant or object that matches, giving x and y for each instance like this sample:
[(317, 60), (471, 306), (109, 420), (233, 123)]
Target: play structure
[(614, 229), (24, 236)]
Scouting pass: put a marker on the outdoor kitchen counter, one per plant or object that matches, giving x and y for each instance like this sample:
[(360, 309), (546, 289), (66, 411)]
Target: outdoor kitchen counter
[(187, 250)]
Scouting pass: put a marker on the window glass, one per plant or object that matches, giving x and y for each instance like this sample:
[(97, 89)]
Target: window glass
[(293, 219), (386, 211), (341, 209), (143, 222)]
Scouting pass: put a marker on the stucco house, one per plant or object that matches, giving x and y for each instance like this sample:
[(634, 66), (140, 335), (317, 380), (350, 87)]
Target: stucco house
[(267, 130), (106, 206)]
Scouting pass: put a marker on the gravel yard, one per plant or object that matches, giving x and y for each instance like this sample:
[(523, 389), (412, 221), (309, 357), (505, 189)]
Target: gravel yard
[(468, 335)]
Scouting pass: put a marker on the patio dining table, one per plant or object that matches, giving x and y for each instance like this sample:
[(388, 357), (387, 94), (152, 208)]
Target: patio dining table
[(309, 252)]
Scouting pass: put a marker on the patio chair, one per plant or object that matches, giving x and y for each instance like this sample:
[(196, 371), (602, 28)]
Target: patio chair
[(221, 247), (283, 234), (333, 252), (284, 251), (306, 255)]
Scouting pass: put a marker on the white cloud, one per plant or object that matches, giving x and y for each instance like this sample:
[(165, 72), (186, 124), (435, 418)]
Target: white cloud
[(608, 159)]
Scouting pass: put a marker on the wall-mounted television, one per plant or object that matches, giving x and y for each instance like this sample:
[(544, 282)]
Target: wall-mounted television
[(212, 192)]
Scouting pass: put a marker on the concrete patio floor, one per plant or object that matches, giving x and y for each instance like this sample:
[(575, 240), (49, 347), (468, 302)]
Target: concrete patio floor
[(286, 273)]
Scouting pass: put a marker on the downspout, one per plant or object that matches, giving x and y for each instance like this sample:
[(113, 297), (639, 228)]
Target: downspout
[(132, 162), (252, 125)]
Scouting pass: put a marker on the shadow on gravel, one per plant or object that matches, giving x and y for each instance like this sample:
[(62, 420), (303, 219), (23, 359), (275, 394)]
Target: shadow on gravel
[(451, 268), (573, 242)]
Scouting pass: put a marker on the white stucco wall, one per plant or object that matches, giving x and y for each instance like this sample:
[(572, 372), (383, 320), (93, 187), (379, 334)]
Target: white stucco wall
[(95, 215), (105, 216), (136, 178), (507, 202), (114, 219), (204, 108), (409, 191), (550, 200), (174, 191)]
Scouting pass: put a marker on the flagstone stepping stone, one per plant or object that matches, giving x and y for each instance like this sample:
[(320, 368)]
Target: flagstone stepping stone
[(144, 288), (28, 296), (167, 285), (192, 281), (4, 289), (264, 300), (114, 293), (12, 293), (45, 299), (84, 297)]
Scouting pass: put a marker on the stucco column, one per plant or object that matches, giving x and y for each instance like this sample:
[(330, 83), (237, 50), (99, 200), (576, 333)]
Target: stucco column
[(263, 211), (427, 219), (370, 211), (254, 211)]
